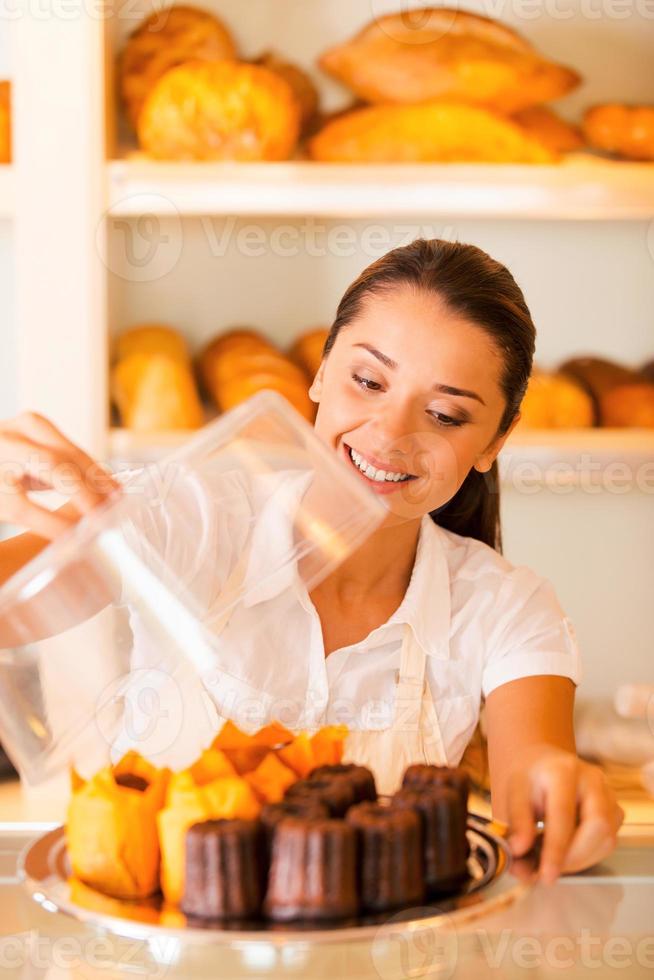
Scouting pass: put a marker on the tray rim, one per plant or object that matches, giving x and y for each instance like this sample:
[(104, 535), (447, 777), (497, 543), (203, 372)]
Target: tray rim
[(497, 894)]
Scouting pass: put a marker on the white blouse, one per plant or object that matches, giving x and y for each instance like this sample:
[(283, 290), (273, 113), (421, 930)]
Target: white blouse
[(505, 623)]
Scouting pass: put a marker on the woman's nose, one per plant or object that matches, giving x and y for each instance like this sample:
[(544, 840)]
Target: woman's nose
[(395, 423)]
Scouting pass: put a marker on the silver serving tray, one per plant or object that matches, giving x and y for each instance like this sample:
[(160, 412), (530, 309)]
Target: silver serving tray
[(45, 870)]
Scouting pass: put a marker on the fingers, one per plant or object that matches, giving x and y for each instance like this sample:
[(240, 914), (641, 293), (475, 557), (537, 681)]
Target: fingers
[(35, 455), (559, 784), (600, 820), (47, 524), (522, 821)]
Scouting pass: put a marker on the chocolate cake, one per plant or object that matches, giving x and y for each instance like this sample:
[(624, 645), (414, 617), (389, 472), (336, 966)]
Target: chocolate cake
[(425, 775), (224, 865), (313, 873), (361, 778), (273, 813), (336, 792), (445, 842), (390, 855)]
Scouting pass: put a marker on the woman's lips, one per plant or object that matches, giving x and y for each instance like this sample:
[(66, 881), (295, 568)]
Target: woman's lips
[(377, 486)]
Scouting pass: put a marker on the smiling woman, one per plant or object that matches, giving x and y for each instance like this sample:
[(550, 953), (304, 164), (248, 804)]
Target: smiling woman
[(420, 383)]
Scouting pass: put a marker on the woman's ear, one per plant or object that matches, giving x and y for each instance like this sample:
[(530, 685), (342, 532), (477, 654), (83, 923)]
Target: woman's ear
[(315, 390), (486, 459)]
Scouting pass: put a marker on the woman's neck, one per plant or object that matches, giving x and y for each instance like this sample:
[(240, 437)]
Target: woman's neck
[(380, 567)]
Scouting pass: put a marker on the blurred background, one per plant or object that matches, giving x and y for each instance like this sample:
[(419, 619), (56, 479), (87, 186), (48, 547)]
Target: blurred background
[(119, 209)]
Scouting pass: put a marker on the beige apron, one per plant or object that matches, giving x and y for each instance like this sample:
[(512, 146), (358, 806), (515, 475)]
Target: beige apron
[(414, 735)]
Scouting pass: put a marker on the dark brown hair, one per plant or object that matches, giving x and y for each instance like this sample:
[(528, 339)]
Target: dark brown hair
[(473, 285)]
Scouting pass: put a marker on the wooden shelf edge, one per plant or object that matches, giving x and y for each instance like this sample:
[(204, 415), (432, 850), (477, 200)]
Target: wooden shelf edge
[(580, 187)]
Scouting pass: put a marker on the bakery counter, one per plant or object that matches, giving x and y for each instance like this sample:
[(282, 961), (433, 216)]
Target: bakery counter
[(592, 924)]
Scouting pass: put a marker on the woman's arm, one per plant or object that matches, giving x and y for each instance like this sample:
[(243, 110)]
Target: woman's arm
[(536, 774)]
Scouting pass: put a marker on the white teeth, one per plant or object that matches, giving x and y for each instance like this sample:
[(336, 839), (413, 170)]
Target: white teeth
[(379, 476)]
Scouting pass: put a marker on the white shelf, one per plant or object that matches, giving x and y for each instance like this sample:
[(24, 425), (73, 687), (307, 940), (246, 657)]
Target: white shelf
[(543, 457), (7, 191), (581, 187)]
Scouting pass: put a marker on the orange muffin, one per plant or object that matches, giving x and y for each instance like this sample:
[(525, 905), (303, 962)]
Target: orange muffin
[(164, 40), (627, 130), (443, 53), (429, 132), (5, 122), (221, 110)]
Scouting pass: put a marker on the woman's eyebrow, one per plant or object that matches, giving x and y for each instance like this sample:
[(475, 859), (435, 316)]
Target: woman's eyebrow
[(445, 389)]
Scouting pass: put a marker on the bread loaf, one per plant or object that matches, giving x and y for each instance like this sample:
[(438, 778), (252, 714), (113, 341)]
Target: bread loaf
[(623, 397), (5, 122), (168, 38), (428, 132), (152, 382), (307, 350), (221, 110), (446, 54), (549, 129), (555, 401), (627, 130)]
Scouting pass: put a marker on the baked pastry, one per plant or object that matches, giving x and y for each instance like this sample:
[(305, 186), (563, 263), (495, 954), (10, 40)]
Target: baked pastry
[(301, 83), (307, 350), (5, 121), (429, 132), (336, 792), (622, 397), (224, 867), (273, 813), (550, 129), (627, 130), (429, 776), (555, 401), (446, 54), (221, 110), (168, 38), (390, 856), (233, 363), (313, 872), (647, 371), (151, 338), (445, 842), (154, 392), (111, 830), (239, 389), (361, 779)]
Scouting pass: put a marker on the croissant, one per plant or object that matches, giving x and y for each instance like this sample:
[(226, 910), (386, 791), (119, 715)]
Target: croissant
[(429, 132), (168, 38), (221, 110), (443, 53)]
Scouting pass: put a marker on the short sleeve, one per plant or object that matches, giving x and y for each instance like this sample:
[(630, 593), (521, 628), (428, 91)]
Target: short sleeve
[(530, 633)]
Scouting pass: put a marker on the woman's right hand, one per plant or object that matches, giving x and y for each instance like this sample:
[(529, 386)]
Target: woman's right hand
[(35, 455)]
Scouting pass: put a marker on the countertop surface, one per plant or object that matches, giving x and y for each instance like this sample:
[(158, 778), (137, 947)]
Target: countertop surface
[(597, 924)]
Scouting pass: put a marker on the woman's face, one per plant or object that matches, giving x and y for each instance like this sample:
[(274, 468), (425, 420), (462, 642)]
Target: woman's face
[(410, 388)]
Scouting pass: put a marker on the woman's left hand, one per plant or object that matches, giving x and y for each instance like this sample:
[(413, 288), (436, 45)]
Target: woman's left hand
[(578, 807)]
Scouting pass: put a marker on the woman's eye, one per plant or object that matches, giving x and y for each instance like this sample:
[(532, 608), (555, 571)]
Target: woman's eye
[(366, 383), (445, 420)]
